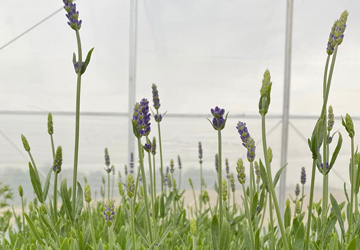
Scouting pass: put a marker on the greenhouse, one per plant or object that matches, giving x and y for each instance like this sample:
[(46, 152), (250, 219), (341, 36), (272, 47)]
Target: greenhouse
[(149, 124)]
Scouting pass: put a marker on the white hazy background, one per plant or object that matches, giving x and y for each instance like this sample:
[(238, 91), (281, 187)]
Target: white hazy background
[(199, 53)]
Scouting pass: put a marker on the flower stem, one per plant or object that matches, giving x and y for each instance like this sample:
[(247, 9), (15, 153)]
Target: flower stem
[(353, 181), (248, 217), (92, 225), (141, 160), (161, 158), (55, 197), (219, 182), (201, 187), (272, 189), (132, 204), (77, 122), (308, 225), (108, 186)]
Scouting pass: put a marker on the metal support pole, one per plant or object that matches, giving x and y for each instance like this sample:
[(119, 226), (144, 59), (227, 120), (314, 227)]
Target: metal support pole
[(132, 72), (285, 125)]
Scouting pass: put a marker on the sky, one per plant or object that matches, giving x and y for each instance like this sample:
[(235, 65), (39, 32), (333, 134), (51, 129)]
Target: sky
[(200, 54)]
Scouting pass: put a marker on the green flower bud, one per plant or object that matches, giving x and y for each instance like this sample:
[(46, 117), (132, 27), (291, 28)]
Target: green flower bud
[(191, 183), (265, 93), (50, 124), (87, 193), (43, 209), (193, 226), (25, 143), (205, 196), (130, 185), (174, 185), (241, 171), (21, 192), (224, 189), (287, 202), (270, 154), (330, 118), (41, 233), (297, 207), (121, 189), (349, 125)]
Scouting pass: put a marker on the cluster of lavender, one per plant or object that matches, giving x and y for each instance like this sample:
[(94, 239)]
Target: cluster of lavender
[(109, 212), (248, 141), (337, 33), (218, 121), (72, 14), (141, 119)]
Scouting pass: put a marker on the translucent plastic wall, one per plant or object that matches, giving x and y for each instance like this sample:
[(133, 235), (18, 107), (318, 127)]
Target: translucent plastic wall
[(199, 53)]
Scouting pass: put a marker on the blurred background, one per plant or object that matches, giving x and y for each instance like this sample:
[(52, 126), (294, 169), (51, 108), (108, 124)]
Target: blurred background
[(199, 53)]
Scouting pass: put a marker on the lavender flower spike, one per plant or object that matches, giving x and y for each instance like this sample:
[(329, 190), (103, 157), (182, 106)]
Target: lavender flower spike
[(141, 119), (109, 212), (200, 152), (248, 141), (303, 176), (179, 162), (107, 159), (218, 121), (155, 94), (72, 14), (172, 169)]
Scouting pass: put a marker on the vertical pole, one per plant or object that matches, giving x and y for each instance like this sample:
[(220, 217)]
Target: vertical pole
[(285, 123), (132, 73)]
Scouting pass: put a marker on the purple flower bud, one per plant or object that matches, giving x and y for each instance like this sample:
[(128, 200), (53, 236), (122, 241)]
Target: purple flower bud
[(179, 162), (200, 152), (297, 189), (227, 168), (153, 147), (141, 118), (147, 147), (155, 94), (158, 118), (72, 15), (131, 163), (248, 141), (109, 212), (303, 176), (218, 121)]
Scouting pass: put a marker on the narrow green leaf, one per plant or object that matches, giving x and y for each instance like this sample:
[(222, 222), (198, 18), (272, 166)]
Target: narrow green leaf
[(225, 236), (141, 232), (79, 200), (263, 176), (257, 239), (35, 181), (66, 199), (87, 61), (287, 216), (33, 228), (278, 173), (47, 184), (336, 152), (215, 232), (353, 244), (337, 212), (299, 238)]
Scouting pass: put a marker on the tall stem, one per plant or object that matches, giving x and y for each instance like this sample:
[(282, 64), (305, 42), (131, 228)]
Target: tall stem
[(154, 182), (308, 224), (219, 182), (132, 204), (92, 225), (272, 189), (248, 217), (161, 158), (141, 160), (23, 217), (201, 187), (152, 193), (353, 181), (55, 197), (108, 186), (77, 122)]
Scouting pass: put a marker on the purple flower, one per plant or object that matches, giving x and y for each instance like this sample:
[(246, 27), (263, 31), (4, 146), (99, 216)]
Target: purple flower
[(141, 118), (248, 141), (72, 15), (158, 118), (297, 189), (227, 168), (303, 176), (218, 121), (155, 95), (131, 163), (200, 152), (107, 161), (109, 212), (179, 162), (147, 147)]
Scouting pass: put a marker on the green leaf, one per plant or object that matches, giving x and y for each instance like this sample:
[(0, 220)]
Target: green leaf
[(162, 205), (215, 232), (352, 245), (33, 228), (79, 200), (287, 216), (225, 236), (278, 173), (141, 232), (87, 61), (254, 205), (66, 199), (122, 238), (74, 58), (336, 152), (47, 184), (337, 212), (299, 238), (257, 239), (168, 201), (165, 234), (263, 176), (35, 181)]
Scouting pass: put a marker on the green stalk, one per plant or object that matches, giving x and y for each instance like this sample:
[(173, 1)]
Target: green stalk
[(212, 215), (55, 196), (161, 158), (263, 215), (302, 195), (132, 205), (196, 207), (201, 187), (272, 189), (141, 160), (248, 217), (219, 183), (23, 217), (52, 146), (234, 207), (180, 179), (152, 192), (108, 186), (308, 225), (353, 181), (194, 242), (77, 122), (112, 188), (272, 238), (154, 182), (110, 238)]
